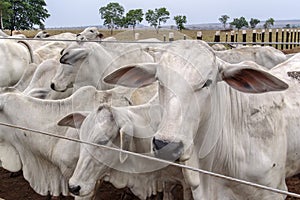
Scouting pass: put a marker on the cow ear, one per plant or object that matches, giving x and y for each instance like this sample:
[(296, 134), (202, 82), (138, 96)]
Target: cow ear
[(138, 75), (126, 138), (73, 120), (251, 80)]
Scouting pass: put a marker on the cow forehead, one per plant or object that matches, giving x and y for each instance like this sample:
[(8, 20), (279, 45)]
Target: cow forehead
[(193, 63), (97, 124)]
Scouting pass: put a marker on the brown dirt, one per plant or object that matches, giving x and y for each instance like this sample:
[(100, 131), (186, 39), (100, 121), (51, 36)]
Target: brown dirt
[(17, 188)]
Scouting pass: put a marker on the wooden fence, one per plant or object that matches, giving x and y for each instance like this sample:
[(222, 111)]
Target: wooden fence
[(280, 39)]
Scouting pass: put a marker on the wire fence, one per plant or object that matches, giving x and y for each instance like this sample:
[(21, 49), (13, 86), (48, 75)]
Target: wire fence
[(228, 178)]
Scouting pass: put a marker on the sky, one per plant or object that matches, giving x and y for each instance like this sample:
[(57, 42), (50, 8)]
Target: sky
[(73, 13)]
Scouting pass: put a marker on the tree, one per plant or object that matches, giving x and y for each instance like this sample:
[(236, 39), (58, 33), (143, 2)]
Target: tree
[(111, 13), (4, 11), (268, 23), (254, 22), (134, 17), (223, 19), (239, 22), (24, 14), (180, 20), (156, 17)]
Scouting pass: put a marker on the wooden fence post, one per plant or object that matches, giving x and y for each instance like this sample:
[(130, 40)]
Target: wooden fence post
[(236, 36), (217, 36), (298, 37), (276, 39), (291, 40), (165, 37), (287, 38), (263, 37), (282, 38), (171, 37), (232, 36), (199, 35), (295, 37), (244, 37), (226, 39), (270, 36), (254, 37), (136, 36)]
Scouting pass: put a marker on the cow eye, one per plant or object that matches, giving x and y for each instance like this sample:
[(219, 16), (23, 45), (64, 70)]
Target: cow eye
[(104, 142), (92, 31), (207, 83)]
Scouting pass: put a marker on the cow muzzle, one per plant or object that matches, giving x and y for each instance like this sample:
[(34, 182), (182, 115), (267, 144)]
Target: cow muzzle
[(167, 150), (75, 189)]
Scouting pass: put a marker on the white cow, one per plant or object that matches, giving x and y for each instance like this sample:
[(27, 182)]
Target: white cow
[(229, 119), (86, 64), (26, 77), (265, 56), (51, 49), (39, 85), (128, 128), (46, 162), (16, 57), (90, 33), (42, 34)]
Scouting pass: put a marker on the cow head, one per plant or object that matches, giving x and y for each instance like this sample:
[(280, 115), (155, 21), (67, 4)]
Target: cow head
[(101, 127), (90, 33), (70, 63), (42, 34), (189, 76), (126, 128)]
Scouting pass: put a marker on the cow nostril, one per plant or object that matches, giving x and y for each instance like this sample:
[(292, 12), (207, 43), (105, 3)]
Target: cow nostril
[(52, 86), (159, 144), (167, 150), (75, 189)]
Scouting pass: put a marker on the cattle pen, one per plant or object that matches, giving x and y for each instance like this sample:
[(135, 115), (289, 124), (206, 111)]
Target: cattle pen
[(290, 39)]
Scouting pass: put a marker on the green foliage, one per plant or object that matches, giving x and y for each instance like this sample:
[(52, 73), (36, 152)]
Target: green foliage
[(112, 14), (180, 20), (4, 11), (156, 17), (268, 23), (133, 17), (223, 19), (253, 22), (239, 23), (23, 14)]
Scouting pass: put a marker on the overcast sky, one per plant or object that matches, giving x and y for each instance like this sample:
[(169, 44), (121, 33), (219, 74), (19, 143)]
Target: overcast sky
[(69, 13)]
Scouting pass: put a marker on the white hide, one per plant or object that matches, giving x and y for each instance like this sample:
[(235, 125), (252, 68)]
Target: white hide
[(46, 162), (129, 128), (265, 56), (39, 86), (87, 63), (16, 58), (212, 108), (90, 33)]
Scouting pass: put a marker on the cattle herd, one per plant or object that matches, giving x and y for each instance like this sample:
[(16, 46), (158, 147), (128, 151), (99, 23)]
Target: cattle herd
[(234, 112)]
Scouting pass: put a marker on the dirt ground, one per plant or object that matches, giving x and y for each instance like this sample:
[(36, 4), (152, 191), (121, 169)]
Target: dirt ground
[(15, 187)]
